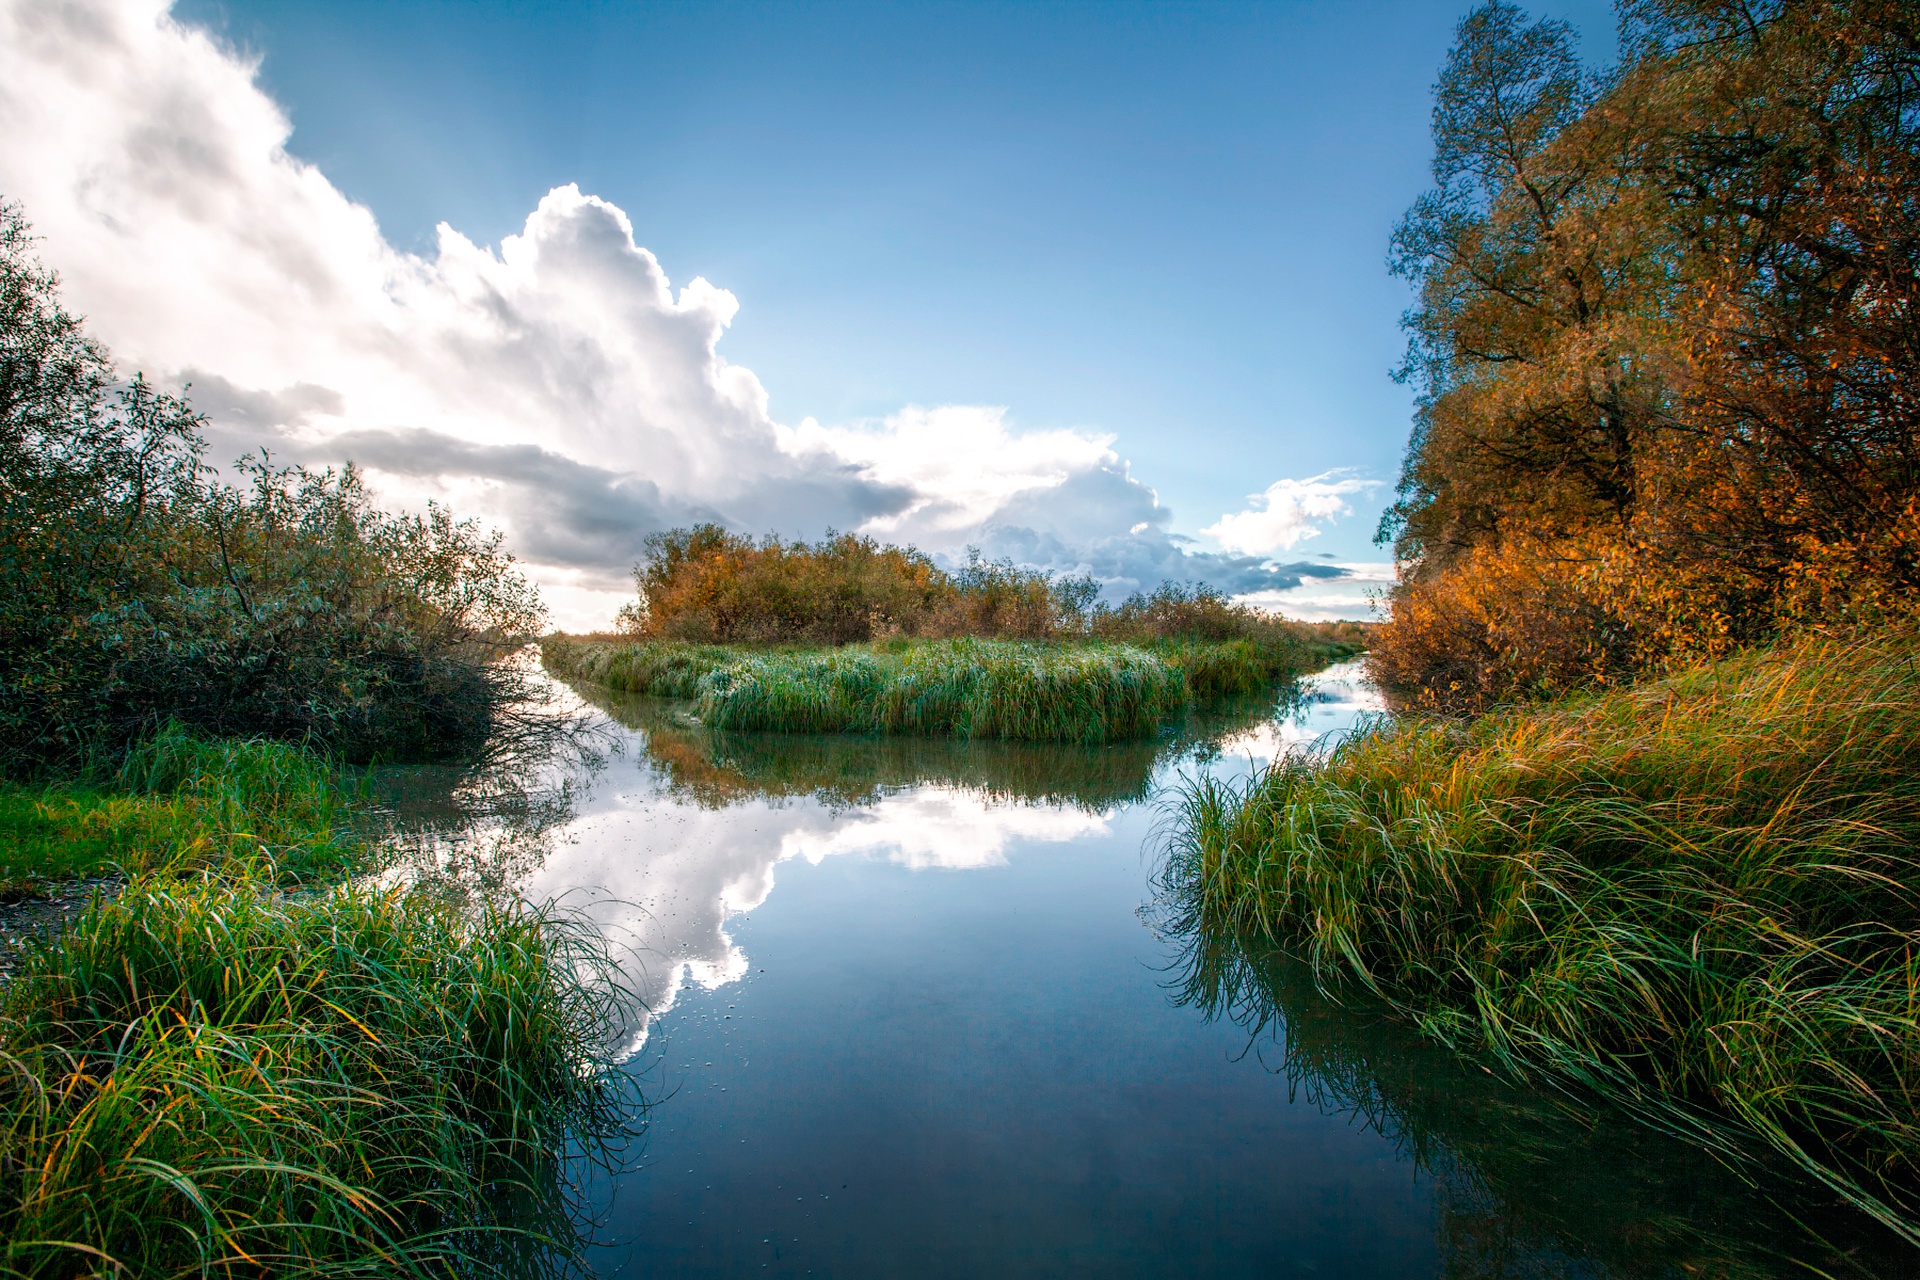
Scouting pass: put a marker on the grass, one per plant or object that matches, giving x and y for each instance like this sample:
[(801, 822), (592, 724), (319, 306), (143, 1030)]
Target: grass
[(1696, 895), (211, 1075), (714, 768), (1061, 691), (1524, 1181), (176, 803)]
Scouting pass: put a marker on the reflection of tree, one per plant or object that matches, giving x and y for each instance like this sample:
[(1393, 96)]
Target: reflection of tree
[(481, 828), (1529, 1183), (714, 768)]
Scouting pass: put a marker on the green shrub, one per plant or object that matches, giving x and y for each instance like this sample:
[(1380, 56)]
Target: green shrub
[(136, 590)]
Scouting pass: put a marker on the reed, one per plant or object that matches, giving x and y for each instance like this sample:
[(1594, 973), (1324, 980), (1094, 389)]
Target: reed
[(1696, 895), (173, 804), (203, 1078), (232, 1069), (1056, 691)]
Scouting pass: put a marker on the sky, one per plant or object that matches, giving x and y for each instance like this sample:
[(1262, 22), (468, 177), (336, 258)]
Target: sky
[(1099, 287)]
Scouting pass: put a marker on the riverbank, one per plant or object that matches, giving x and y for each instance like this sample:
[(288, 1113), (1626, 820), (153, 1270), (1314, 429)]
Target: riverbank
[(243, 1064), (1695, 895), (1037, 691)]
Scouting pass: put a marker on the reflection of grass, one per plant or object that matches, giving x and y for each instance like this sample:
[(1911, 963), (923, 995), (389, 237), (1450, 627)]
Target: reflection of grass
[(716, 768), (211, 1075), (1087, 692), (1698, 891), (1529, 1183)]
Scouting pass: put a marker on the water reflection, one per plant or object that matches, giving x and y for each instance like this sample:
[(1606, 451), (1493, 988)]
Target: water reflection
[(714, 769), (964, 1011), (1530, 1182)]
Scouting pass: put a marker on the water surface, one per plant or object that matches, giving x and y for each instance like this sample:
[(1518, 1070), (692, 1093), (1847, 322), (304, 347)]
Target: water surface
[(901, 1008)]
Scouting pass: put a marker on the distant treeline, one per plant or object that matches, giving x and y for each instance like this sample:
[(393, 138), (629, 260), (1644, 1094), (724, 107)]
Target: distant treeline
[(1665, 344), (706, 585), (137, 589)]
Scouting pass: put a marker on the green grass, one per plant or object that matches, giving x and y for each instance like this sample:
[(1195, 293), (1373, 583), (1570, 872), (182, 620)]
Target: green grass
[(715, 768), (235, 1069), (1059, 691), (173, 804), (1697, 896)]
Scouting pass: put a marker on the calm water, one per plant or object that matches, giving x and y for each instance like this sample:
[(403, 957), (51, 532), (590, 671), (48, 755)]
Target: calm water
[(901, 1010)]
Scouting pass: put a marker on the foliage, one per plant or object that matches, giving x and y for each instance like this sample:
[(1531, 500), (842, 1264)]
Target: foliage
[(135, 589), (1665, 334), (706, 585), (1695, 893), (229, 1069)]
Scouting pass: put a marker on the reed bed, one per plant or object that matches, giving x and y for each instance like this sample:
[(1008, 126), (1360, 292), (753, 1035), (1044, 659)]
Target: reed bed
[(1696, 895), (227, 1071), (204, 1079), (1056, 691), (177, 803)]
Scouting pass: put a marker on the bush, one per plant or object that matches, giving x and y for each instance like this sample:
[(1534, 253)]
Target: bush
[(137, 590)]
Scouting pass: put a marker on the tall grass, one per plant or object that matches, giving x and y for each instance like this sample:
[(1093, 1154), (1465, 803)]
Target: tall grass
[(226, 1070), (715, 769), (1524, 1182), (1081, 691), (204, 1079), (177, 803), (966, 688), (1697, 895)]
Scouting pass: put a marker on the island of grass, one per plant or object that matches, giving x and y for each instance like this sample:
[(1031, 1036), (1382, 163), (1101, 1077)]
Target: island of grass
[(850, 636)]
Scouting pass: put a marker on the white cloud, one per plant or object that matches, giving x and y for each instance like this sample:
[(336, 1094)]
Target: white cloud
[(1353, 595), (558, 386), (1289, 512)]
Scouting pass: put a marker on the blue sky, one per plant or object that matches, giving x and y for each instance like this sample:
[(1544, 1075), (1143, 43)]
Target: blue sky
[(1164, 223), (1167, 221)]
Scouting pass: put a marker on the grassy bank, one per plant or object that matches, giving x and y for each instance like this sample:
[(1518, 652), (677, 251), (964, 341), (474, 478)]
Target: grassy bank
[(1061, 691), (714, 768), (210, 1074), (1696, 895)]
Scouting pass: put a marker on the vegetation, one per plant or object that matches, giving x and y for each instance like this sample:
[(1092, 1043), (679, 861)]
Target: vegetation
[(136, 589), (714, 768), (705, 586), (1665, 345), (173, 805), (229, 1064), (1696, 894), (898, 645), (206, 1076), (1088, 692), (1524, 1182)]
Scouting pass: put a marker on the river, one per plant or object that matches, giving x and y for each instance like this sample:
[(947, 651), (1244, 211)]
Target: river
[(905, 1008)]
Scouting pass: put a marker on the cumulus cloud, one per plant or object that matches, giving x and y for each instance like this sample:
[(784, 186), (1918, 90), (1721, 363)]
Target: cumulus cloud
[(1289, 512), (557, 385)]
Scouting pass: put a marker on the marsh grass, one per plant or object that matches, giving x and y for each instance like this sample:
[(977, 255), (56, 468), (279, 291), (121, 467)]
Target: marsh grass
[(1057, 691), (173, 804), (202, 1078), (1696, 896), (239, 1066), (1533, 1182), (715, 768)]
